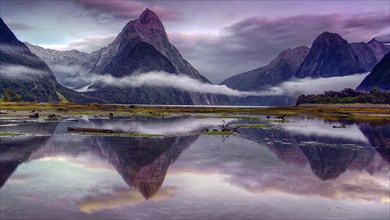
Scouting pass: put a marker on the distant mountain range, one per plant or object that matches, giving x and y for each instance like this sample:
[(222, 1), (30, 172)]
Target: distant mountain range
[(329, 56), (38, 74)]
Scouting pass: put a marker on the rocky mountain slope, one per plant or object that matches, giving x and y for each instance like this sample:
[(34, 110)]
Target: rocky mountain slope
[(378, 78), (22, 71), (281, 69), (330, 55), (378, 48), (69, 67)]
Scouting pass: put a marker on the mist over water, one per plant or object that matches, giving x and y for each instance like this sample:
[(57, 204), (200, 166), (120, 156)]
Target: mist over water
[(71, 77), (292, 88)]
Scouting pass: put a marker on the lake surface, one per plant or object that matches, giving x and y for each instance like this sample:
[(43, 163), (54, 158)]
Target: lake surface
[(302, 169)]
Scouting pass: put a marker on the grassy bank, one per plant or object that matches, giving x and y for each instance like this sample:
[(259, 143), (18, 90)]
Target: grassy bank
[(331, 112)]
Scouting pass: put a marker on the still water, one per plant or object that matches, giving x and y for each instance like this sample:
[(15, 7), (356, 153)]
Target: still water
[(303, 169)]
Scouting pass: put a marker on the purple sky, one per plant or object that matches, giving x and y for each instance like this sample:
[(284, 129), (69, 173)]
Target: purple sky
[(219, 38)]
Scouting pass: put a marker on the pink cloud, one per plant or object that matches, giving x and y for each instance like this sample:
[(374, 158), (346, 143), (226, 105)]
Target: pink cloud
[(127, 9), (166, 13), (86, 44)]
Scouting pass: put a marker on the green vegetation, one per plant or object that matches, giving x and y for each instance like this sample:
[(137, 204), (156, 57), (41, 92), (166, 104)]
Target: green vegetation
[(356, 112), (254, 125), (61, 97), (122, 134), (279, 121), (346, 96), (9, 134), (225, 133), (224, 115), (10, 96)]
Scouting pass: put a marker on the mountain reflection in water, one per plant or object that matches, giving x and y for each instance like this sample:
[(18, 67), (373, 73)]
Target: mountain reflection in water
[(143, 162), (329, 151)]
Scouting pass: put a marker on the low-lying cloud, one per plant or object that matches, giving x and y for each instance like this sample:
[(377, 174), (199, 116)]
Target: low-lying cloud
[(292, 88), (20, 72), (169, 80), (123, 9), (72, 76), (309, 85), (86, 44)]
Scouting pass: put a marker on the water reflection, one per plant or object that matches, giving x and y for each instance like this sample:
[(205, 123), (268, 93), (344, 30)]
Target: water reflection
[(14, 151), (252, 175), (329, 151), (379, 136), (142, 162)]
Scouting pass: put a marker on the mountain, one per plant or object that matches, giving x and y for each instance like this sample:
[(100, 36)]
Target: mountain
[(22, 71), (365, 54), (27, 75), (378, 48), (69, 67), (142, 46), (378, 78), (281, 69), (330, 55), (370, 53)]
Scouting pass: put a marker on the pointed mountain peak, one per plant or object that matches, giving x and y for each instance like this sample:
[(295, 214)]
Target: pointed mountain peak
[(328, 35), (6, 35), (328, 39), (2, 24), (147, 28), (374, 41), (148, 16)]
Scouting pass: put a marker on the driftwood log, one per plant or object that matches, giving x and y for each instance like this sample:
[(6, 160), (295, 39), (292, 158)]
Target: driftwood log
[(93, 130), (35, 115), (281, 117)]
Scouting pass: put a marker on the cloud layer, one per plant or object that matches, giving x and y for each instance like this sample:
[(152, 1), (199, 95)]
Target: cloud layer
[(309, 85), (123, 9), (168, 80), (20, 73), (85, 44), (292, 88), (73, 76)]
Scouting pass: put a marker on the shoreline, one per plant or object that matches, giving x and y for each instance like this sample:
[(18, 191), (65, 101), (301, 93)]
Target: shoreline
[(353, 112)]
